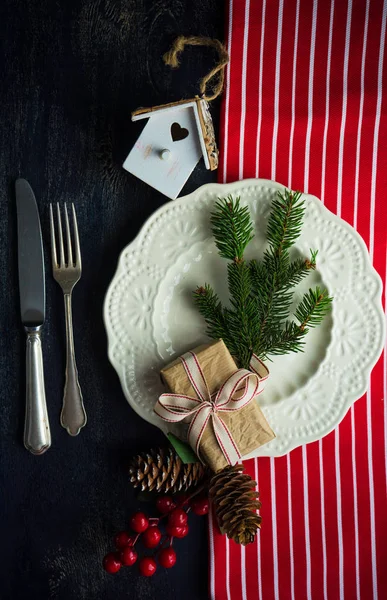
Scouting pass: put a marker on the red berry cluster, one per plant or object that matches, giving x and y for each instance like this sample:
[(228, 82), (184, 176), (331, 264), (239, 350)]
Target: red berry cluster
[(148, 531)]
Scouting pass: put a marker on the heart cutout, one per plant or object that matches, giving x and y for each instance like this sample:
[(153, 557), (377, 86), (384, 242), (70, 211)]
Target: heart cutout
[(178, 132)]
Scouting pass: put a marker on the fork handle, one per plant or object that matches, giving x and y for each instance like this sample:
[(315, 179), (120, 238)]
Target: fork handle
[(37, 436), (73, 416)]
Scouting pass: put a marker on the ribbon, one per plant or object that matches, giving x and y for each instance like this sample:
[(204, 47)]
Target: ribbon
[(235, 393)]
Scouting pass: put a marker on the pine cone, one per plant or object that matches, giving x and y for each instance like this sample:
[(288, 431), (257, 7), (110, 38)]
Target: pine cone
[(162, 470), (234, 497)]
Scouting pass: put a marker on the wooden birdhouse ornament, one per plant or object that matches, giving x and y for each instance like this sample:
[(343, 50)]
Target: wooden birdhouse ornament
[(177, 135), (172, 143)]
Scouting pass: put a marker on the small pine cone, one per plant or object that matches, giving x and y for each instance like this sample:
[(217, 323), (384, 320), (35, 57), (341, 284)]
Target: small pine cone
[(234, 497), (162, 470)]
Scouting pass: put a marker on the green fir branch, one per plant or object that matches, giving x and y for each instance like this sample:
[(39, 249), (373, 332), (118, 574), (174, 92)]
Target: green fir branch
[(284, 340), (285, 221), (273, 299), (232, 228), (261, 293), (313, 256), (313, 308), (210, 308), (298, 269)]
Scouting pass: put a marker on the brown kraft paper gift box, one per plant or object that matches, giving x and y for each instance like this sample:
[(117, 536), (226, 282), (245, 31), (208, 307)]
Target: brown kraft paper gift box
[(248, 425)]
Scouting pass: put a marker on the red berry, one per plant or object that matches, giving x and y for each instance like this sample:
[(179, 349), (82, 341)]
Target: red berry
[(178, 517), (151, 537), (178, 532), (147, 566), (128, 556), (200, 506), (111, 563), (182, 531), (121, 540), (139, 522), (167, 557), (165, 504)]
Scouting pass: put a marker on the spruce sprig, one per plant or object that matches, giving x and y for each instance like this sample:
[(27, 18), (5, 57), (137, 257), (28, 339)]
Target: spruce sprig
[(285, 221), (313, 308), (231, 227), (261, 293), (216, 317)]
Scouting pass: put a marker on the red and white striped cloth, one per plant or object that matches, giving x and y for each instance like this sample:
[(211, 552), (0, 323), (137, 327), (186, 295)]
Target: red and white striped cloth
[(304, 105)]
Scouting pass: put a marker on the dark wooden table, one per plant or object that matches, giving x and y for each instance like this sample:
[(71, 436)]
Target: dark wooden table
[(71, 72)]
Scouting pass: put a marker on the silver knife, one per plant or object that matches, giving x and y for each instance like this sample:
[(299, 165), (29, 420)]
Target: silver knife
[(37, 436)]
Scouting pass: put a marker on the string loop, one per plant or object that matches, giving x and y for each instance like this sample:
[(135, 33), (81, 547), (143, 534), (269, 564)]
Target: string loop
[(171, 58)]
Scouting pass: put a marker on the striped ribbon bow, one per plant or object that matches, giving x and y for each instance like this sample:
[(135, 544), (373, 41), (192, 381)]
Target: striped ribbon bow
[(235, 393)]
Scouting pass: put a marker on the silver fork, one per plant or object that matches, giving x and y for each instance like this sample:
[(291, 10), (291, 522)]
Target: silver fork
[(67, 273)]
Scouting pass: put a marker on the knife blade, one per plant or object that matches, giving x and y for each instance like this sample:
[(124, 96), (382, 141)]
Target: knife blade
[(30, 254), (37, 437)]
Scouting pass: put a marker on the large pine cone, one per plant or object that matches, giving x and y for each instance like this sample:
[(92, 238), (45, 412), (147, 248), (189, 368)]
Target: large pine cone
[(234, 497), (162, 470)]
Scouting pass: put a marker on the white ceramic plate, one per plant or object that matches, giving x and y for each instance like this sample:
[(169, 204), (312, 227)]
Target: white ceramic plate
[(150, 317)]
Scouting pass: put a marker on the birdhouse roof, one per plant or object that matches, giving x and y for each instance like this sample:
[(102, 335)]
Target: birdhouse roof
[(144, 113), (203, 120)]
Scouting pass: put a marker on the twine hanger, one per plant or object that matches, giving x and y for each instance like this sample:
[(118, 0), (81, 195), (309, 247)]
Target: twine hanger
[(171, 58)]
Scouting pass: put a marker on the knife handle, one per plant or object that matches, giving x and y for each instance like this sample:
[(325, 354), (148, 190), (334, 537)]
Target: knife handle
[(37, 436)]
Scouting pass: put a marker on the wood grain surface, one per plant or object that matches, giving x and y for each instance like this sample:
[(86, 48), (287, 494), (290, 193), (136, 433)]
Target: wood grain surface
[(71, 73)]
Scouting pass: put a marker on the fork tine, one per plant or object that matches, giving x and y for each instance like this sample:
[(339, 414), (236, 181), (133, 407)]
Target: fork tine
[(68, 238), (60, 235), (53, 244), (78, 261)]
